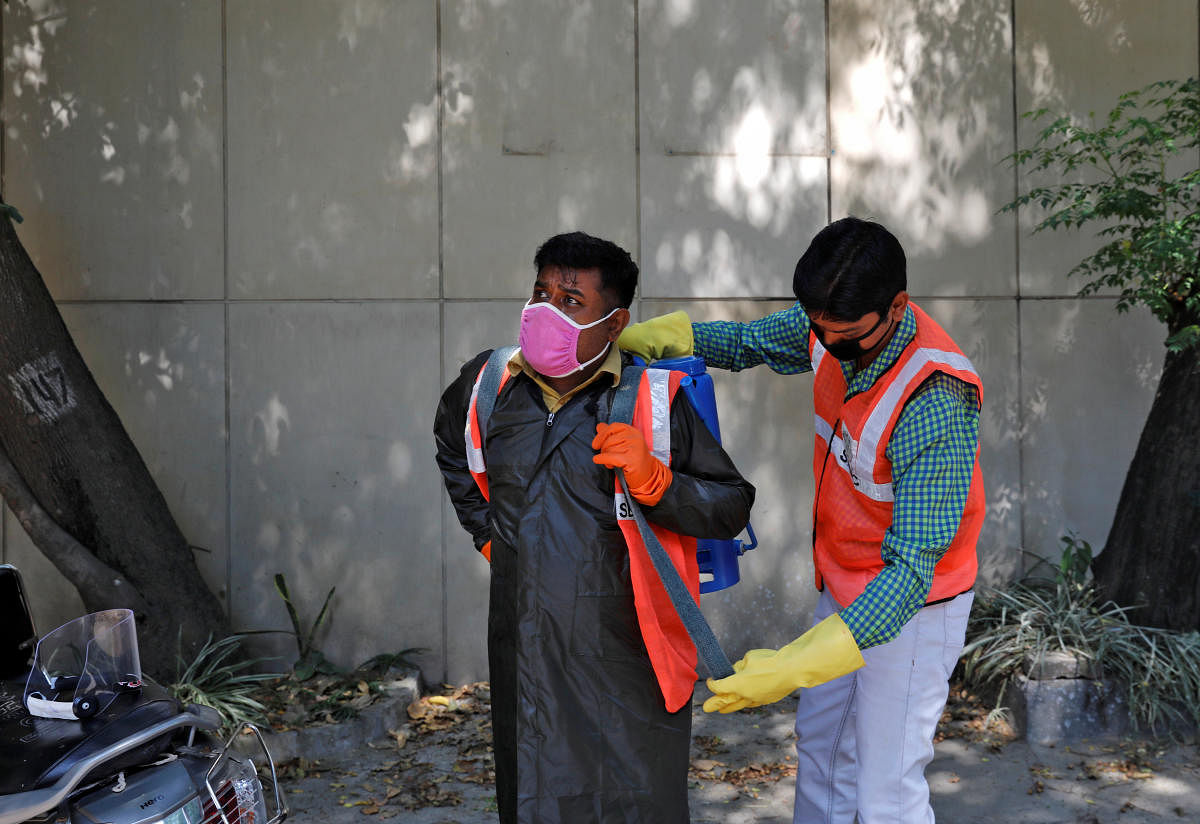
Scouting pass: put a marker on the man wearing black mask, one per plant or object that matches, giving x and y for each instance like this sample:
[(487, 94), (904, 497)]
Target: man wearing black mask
[(898, 508)]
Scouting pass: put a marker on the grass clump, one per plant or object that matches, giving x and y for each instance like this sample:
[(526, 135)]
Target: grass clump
[(222, 678), (314, 691), (1160, 668)]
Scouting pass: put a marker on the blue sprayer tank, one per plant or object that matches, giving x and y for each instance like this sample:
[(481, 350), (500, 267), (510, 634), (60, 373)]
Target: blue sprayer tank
[(717, 558)]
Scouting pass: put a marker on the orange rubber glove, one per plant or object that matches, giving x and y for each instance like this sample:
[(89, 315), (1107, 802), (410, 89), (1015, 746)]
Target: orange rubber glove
[(620, 446)]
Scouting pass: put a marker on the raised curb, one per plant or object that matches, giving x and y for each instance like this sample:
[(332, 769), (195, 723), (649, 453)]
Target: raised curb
[(1047, 711), (325, 740)]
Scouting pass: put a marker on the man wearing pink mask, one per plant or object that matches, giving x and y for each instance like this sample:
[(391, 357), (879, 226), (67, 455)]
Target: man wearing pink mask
[(591, 672)]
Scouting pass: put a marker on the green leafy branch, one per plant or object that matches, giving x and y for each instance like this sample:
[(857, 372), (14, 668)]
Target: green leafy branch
[(1134, 173)]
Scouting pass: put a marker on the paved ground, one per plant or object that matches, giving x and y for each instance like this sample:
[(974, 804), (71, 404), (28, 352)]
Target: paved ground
[(436, 769)]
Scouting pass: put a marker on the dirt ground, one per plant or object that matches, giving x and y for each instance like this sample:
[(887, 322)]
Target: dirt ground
[(437, 769)]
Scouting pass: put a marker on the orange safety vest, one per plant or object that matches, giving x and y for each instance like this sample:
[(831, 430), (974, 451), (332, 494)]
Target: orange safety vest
[(672, 653), (853, 504)]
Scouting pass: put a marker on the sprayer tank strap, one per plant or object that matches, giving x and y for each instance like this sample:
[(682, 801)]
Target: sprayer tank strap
[(709, 650), (489, 385)]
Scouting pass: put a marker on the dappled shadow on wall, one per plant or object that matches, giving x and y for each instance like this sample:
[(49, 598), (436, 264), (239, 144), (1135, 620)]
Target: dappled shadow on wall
[(1075, 59), (733, 145), (538, 135), (113, 148), (332, 479), (333, 151), (331, 508), (921, 114), (1088, 379)]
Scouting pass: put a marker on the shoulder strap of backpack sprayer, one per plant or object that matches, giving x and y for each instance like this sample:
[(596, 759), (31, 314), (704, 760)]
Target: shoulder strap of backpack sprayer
[(489, 385), (710, 652)]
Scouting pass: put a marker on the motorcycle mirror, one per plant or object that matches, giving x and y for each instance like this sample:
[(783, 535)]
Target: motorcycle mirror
[(17, 633)]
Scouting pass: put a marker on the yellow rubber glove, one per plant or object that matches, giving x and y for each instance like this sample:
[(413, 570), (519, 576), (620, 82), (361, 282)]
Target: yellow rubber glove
[(664, 336), (764, 676)]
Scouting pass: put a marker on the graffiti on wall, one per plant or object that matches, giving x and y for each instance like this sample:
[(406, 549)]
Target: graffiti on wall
[(42, 388)]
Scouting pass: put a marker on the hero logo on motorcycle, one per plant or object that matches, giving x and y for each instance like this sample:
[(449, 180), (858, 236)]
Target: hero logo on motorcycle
[(150, 802)]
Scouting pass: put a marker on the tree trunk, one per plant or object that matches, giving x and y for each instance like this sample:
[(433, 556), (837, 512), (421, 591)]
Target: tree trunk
[(1152, 557), (83, 475)]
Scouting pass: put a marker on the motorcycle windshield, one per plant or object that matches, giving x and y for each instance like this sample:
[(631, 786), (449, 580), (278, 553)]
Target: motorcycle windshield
[(89, 656)]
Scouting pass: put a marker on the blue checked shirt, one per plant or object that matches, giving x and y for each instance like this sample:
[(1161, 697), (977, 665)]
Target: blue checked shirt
[(932, 451)]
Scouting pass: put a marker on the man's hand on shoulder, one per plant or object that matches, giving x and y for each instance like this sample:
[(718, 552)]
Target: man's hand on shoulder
[(664, 336)]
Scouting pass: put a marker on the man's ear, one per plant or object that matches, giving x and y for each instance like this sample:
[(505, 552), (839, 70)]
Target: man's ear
[(899, 304), (617, 323)]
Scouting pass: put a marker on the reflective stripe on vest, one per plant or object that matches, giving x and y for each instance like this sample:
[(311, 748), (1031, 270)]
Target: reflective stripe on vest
[(817, 353), (843, 448), (656, 384), (954, 363), (476, 462), (858, 459), (668, 645), (855, 500)]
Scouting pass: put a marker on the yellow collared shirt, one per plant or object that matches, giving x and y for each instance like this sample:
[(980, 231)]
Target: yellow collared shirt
[(611, 365)]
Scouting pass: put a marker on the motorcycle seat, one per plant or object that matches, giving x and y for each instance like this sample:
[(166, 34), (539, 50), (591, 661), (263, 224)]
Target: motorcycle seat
[(35, 752)]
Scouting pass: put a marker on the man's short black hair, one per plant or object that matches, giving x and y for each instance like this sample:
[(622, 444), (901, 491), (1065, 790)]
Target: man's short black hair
[(577, 250), (852, 267)]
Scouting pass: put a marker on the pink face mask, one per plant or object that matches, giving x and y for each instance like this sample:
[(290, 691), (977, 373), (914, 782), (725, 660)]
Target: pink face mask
[(550, 340)]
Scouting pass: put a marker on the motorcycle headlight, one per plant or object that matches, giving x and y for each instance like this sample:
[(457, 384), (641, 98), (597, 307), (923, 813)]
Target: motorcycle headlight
[(190, 813)]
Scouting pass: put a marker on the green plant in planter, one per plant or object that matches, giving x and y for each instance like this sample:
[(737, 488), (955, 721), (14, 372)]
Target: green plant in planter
[(1037, 615)]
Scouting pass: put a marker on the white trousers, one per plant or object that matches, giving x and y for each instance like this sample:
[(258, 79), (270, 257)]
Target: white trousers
[(863, 740)]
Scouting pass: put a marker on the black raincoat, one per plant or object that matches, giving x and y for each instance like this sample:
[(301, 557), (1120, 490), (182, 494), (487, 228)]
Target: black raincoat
[(580, 730)]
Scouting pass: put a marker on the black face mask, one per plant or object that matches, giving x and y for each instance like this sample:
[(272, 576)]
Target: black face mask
[(852, 348)]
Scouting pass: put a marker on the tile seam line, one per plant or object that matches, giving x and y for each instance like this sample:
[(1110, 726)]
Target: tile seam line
[(225, 307), (506, 298), (439, 95)]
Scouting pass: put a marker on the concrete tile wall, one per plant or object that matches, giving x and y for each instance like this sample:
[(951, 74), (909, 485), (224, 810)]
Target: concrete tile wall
[(1081, 423), (332, 149), (316, 266), (113, 132), (920, 105), (733, 153), (538, 135), (1075, 58), (333, 480)]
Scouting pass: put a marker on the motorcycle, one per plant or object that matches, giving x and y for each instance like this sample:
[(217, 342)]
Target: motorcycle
[(84, 741)]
